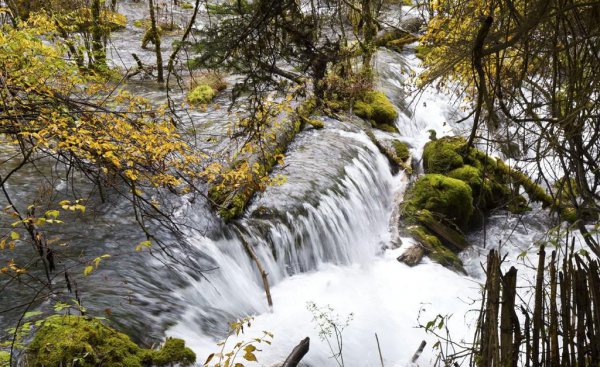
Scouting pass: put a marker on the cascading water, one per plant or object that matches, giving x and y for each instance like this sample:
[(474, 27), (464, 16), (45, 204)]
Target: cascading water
[(325, 237)]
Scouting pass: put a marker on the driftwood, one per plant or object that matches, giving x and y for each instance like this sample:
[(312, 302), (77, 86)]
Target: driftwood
[(297, 353)]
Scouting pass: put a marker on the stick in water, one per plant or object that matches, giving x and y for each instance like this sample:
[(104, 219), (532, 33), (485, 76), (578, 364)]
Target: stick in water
[(379, 349), (418, 352)]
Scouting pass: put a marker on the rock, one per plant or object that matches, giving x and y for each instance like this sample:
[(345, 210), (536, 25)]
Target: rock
[(434, 248), (413, 255), (412, 24), (450, 237), (448, 197)]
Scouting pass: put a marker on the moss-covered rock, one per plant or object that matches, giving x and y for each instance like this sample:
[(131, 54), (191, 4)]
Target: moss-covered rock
[(443, 155), (460, 182), (65, 340), (434, 248), (201, 94), (317, 124), (395, 151), (72, 340), (377, 108), (446, 196), (395, 39), (401, 150), (172, 352), (494, 184), (388, 128)]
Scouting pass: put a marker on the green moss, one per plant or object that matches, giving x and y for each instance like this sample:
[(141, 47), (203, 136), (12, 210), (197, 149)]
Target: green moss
[(566, 190), (174, 351), (186, 5), (569, 215), (4, 358), (449, 197), (376, 107), (317, 124), (201, 94), (469, 174), (399, 43), (230, 203), (533, 190), (142, 23), (443, 155), (434, 248), (401, 149), (65, 340), (388, 128), (72, 340)]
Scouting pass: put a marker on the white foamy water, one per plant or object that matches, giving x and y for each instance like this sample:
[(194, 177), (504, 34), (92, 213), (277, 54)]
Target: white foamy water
[(327, 240)]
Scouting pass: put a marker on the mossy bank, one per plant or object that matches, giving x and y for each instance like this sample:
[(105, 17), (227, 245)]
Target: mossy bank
[(64, 340)]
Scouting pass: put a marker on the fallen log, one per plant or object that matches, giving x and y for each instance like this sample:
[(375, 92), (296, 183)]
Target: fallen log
[(297, 353)]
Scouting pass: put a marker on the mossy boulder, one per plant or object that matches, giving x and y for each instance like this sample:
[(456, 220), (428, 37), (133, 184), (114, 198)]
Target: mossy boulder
[(65, 340), (494, 184), (443, 155), (401, 150), (201, 94), (437, 207), (446, 196), (377, 108), (172, 352)]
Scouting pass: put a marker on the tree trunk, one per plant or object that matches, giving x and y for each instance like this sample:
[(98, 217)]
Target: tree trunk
[(98, 52), (156, 35)]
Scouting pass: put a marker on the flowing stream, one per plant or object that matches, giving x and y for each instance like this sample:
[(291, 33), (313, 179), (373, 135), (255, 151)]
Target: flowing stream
[(326, 236)]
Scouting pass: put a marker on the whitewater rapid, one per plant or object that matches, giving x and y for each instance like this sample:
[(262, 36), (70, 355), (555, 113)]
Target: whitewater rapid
[(330, 243)]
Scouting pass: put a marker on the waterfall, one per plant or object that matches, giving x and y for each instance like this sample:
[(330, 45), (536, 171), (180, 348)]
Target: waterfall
[(325, 237)]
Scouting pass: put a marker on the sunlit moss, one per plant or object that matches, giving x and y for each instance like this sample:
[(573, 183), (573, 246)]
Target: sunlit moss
[(201, 94), (65, 340), (440, 194), (376, 107)]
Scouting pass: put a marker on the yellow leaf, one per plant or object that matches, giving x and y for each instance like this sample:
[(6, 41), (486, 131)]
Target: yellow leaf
[(14, 236), (250, 357), (88, 269)]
